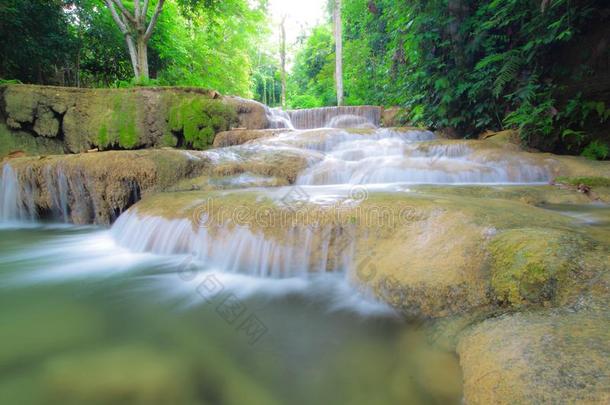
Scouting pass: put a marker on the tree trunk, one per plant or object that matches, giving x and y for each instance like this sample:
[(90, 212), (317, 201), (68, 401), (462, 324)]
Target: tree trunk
[(137, 33), (142, 58), (283, 59), (338, 52)]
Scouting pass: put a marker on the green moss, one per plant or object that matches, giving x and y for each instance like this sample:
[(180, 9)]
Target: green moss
[(12, 141), (124, 120), (102, 137), (587, 181), (199, 120), (20, 104), (169, 140), (529, 264)]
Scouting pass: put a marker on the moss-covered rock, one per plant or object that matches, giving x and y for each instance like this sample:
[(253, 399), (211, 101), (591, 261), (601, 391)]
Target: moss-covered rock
[(530, 265), (554, 357), (84, 119), (46, 123), (586, 181), (18, 140), (198, 121)]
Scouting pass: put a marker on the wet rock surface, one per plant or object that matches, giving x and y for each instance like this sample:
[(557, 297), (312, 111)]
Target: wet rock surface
[(91, 187)]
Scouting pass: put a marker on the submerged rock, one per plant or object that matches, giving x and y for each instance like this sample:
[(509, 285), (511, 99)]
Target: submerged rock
[(557, 356), (129, 374)]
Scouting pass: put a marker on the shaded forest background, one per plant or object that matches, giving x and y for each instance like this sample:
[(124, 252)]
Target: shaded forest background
[(464, 67)]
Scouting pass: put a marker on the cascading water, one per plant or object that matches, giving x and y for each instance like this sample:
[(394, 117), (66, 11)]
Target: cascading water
[(329, 160), (415, 157), (323, 117), (278, 118), (302, 250), (10, 195), (337, 158), (350, 121)]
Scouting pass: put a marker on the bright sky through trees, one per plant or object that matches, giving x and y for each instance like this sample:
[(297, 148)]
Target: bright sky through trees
[(301, 15)]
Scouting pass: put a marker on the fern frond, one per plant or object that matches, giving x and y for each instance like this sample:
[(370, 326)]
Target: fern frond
[(508, 72)]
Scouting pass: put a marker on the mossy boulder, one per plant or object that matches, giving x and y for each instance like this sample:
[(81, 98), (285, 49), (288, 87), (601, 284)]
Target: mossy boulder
[(554, 357), (198, 121), (529, 265), (46, 123)]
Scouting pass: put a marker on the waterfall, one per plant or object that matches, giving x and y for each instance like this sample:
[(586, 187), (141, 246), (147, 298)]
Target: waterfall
[(278, 118), (297, 251), (350, 121), (57, 184), (10, 197), (321, 117)]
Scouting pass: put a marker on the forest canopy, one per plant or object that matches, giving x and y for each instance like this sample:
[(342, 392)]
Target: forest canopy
[(212, 44), (470, 66)]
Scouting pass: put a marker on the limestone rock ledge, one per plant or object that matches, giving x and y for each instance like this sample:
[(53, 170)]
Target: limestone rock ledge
[(73, 120), (90, 187)]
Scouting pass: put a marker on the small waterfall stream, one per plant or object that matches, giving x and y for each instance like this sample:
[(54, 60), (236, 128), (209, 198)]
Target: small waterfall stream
[(329, 117), (10, 198)]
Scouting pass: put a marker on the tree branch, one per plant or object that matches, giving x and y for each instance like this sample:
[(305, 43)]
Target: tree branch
[(144, 10), (136, 10), (116, 17), (124, 11), (153, 20)]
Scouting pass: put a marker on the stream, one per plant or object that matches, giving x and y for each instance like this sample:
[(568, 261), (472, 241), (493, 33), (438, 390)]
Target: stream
[(141, 313)]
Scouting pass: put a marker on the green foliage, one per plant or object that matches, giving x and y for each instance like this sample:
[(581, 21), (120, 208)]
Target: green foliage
[(267, 85), (202, 43), (311, 83), (469, 65), (305, 101), (35, 39), (213, 48), (198, 120), (596, 150)]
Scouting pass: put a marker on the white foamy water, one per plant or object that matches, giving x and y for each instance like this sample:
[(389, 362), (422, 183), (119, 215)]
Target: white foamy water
[(297, 251), (13, 200), (332, 117), (413, 157)]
